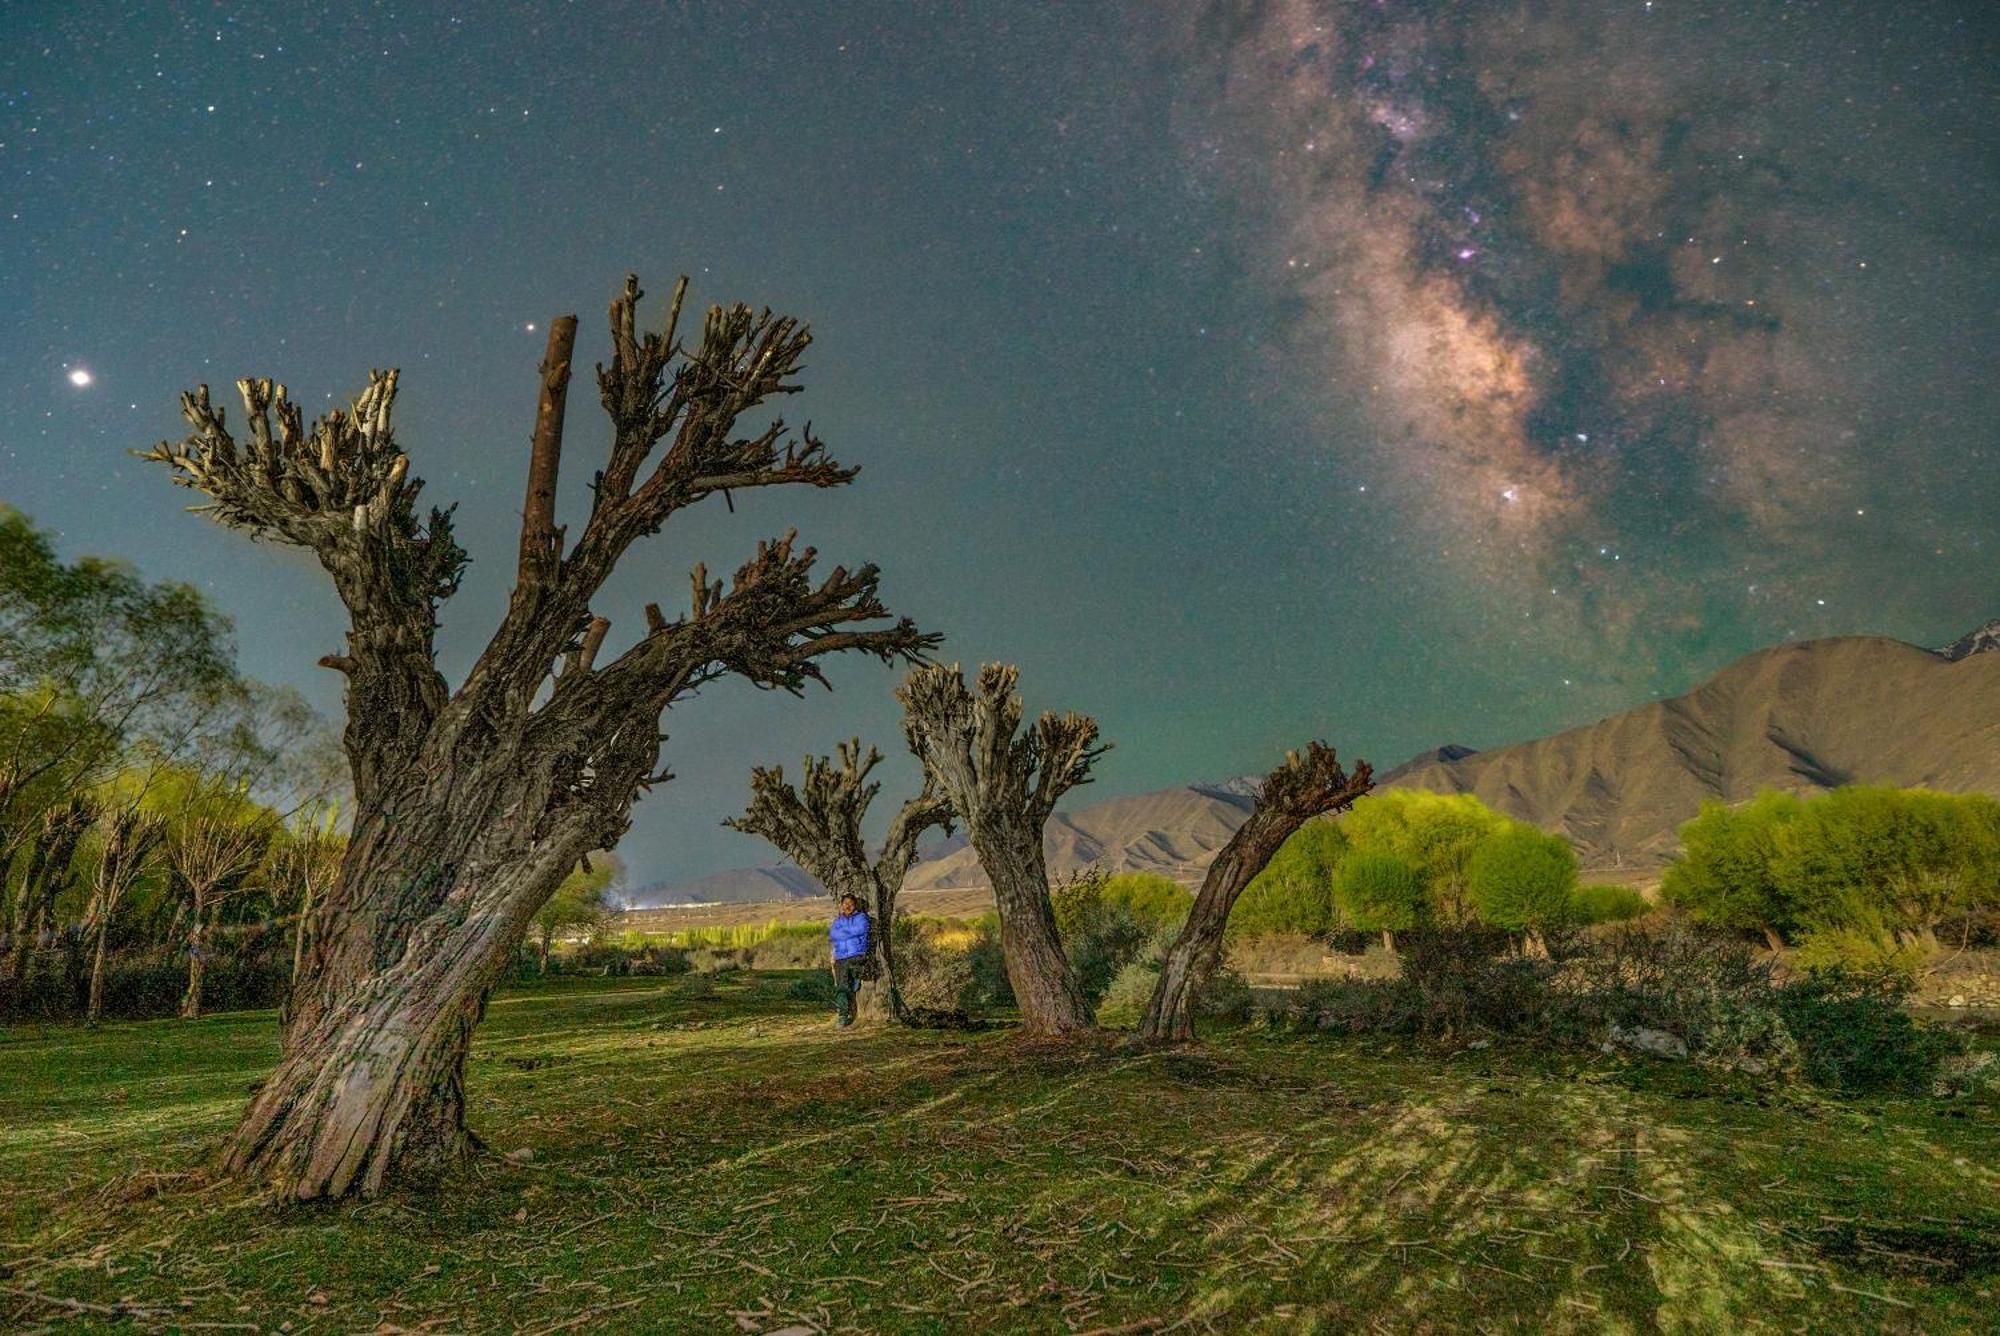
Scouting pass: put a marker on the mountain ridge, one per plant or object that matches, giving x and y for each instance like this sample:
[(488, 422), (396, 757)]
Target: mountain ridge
[(1802, 715)]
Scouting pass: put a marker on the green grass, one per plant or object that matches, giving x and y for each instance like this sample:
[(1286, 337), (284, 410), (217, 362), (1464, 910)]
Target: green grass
[(734, 1163)]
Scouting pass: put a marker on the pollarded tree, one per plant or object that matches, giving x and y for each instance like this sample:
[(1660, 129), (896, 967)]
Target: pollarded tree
[(818, 826), (1300, 789), (1003, 784), (470, 806)]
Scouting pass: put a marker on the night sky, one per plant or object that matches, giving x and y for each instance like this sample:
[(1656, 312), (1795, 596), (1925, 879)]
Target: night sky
[(1394, 373)]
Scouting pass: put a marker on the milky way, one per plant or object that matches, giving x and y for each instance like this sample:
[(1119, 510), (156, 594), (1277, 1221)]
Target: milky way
[(1595, 288)]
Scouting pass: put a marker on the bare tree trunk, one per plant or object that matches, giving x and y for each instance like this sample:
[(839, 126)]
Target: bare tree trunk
[(1298, 790), (1044, 985), (373, 1086), (94, 1011), (471, 806), (299, 932), (1775, 943), (197, 963), (1004, 785), (1388, 939), (542, 955)]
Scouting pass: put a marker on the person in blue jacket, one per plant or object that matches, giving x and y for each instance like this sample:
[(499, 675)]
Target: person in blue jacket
[(849, 934)]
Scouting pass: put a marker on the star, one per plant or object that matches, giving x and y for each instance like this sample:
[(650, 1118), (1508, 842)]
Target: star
[(80, 377)]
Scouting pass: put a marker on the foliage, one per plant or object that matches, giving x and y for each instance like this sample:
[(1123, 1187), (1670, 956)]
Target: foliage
[(1840, 1031), (583, 900), (1377, 889), (1602, 903), (1522, 879), (1854, 871), (1294, 892), (1105, 923), (1855, 1036), (1436, 833)]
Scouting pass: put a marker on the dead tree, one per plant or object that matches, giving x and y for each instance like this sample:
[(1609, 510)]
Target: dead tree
[(210, 856), (1300, 789), (818, 826), (130, 838), (1004, 788), (470, 806)]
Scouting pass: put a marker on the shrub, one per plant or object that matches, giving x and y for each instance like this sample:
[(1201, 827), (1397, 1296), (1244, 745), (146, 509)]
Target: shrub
[(1125, 1000), (715, 959), (1607, 904), (1522, 879), (1226, 996), (792, 951), (1859, 948), (951, 971), (1854, 1036)]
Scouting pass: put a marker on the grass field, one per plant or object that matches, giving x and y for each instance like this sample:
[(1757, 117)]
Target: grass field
[(732, 1163)]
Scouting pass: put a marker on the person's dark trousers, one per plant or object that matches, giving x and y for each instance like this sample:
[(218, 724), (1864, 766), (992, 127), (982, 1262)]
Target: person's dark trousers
[(846, 983)]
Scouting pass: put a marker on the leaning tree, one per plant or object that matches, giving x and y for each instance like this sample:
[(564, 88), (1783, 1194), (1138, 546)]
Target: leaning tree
[(1003, 784), (1301, 788), (471, 805), (818, 826)]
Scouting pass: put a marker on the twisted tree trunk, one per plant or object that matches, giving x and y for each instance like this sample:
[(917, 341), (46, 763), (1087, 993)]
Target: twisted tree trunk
[(1298, 790), (471, 806), (1005, 787)]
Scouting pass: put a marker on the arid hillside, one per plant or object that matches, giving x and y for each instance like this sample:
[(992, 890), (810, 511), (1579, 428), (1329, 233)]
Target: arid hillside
[(1812, 715)]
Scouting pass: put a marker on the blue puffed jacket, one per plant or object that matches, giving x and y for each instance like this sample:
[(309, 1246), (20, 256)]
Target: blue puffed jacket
[(849, 933)]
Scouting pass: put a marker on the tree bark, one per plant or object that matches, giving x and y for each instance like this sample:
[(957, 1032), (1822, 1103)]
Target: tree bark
[(1303, 787), (197, 963), (1044, 984), (471, 806), (94, 1010), (1004, 786)]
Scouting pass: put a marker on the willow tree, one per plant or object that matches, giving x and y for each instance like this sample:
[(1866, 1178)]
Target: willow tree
[(1301, 788), (471, 805), (818, 826), (1004, 784)]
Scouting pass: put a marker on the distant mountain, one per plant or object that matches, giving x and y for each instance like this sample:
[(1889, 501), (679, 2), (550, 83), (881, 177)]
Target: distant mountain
[(1801, 716), (1983, 641), (744, 885)]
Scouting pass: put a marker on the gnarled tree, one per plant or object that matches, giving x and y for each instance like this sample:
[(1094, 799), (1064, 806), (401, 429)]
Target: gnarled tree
[(818, 826), (471, 805), (1004, 784), (1301, 788)]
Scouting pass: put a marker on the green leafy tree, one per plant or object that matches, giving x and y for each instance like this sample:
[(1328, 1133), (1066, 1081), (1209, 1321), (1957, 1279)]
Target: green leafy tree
[(93, 661), (1382, 891), (1435, 833), (1523, 880), (1891, 863), (1294, 892), (583, 900), (1723, 875)]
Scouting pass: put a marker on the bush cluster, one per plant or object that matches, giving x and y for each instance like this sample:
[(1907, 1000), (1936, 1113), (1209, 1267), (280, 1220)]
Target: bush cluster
[(1860, 878), (1406, 860), (1704, 989)]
